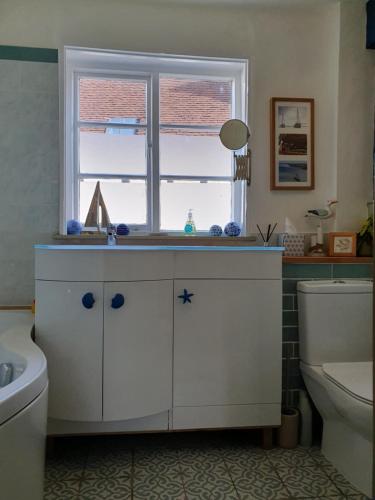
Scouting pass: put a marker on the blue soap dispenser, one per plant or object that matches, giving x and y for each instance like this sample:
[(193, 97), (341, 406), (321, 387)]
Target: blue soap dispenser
[(190, 228)]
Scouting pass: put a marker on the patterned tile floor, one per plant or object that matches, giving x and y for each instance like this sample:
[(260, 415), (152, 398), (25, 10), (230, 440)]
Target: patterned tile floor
[(189, 466)]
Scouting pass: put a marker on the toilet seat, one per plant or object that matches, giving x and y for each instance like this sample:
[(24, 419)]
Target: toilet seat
[(353, 378), (335, 401)]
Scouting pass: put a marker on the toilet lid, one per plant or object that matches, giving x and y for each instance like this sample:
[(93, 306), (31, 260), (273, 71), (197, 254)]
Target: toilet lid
[(354, 378)]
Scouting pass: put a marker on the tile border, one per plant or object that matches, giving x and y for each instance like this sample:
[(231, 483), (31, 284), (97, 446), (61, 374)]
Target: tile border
[(31, 54)]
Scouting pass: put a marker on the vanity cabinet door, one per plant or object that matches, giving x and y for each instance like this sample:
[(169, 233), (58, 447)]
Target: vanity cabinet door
[(69, 330), (138, 329), (227, 342)]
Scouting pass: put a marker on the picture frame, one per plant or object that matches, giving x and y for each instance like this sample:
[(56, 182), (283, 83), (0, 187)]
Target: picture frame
[(342, 244), (292, 144)]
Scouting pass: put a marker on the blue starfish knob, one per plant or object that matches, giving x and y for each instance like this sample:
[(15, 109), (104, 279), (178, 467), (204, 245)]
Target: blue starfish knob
[(186, 296)]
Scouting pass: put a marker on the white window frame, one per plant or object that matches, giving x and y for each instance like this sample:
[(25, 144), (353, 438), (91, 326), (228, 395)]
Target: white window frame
[(83, 62)]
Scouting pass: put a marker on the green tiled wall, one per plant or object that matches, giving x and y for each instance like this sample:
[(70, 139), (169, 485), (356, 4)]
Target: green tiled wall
[(31, 54), (292, 273)]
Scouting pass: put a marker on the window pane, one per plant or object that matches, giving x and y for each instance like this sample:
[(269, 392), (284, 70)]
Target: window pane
[(210, 202), (103, 153), (185, 153), (188, 101), (114, 101), (125, 201)]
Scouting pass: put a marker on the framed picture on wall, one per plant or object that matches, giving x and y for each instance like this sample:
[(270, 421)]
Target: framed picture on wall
[(342, 244), (292, 143)]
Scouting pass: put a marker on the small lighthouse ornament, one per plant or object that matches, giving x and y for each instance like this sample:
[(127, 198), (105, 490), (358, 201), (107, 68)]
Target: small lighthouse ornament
[(97, 207)]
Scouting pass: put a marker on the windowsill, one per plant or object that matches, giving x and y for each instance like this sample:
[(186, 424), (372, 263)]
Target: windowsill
[(204, 240), (199, 240)]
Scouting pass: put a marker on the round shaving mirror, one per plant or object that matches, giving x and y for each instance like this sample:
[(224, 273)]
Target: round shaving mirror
[(234, 134)]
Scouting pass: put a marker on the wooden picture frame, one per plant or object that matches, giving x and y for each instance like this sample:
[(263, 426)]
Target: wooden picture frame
[(342, 244), (292, 144)]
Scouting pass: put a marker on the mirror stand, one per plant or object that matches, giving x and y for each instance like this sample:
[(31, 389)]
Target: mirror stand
[(234, 135), (243, 167)]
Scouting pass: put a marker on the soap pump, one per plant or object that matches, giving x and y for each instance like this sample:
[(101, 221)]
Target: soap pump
[(190, 228), (111, 235)]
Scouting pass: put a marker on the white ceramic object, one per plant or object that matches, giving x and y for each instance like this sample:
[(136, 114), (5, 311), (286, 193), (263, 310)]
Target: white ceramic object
[(112, 369), (305, 420), (23, 410), (335, 320), (335, 342)]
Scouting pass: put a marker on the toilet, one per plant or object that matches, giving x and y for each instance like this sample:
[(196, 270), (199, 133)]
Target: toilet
[(335, 319)]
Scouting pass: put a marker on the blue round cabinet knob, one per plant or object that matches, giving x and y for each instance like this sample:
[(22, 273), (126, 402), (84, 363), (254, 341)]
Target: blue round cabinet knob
[(215, 230), (232, 229), (88, 300), (117, 301)]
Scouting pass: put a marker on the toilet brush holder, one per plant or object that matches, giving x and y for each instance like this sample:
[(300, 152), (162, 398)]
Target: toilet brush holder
[(288, 431)]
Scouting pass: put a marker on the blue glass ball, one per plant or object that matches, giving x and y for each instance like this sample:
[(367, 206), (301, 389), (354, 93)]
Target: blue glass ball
[(73, 227), (215, 230), (122, 230), (232, 229)]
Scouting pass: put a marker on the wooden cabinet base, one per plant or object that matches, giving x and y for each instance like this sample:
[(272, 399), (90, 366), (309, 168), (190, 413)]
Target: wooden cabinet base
[(267, 438), (50, 446), (226, 416)]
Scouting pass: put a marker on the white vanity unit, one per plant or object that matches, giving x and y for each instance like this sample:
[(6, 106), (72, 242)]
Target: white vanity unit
[(160, 338)]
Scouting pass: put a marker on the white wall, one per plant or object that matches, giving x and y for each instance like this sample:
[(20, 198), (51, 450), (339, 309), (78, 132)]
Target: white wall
[(293, 51)]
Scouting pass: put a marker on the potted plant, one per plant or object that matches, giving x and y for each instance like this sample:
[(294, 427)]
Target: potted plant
[(365, 238)]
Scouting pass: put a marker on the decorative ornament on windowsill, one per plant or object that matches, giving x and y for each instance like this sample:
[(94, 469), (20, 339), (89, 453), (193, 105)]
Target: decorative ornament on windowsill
[(122, 230), (74, 227), (318, 215), (215, 230), (97, 215), (232, 229), (234, 135)]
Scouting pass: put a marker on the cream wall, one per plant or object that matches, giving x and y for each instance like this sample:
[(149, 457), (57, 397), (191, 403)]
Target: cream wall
[(293, 51), (356, 111)]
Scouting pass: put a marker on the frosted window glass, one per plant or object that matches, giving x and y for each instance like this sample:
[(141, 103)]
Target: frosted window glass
[(182, 153), (125, 201), (211, 204), (112, 153)]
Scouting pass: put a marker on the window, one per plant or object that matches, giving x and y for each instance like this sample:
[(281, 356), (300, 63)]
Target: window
[(147, 127)]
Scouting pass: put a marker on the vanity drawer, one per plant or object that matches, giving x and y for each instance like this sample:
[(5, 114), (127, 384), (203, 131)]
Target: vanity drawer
[(103, 265), (227, 265)]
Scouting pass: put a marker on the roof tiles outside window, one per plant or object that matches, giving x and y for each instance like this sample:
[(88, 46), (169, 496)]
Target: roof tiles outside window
[(184, 102)]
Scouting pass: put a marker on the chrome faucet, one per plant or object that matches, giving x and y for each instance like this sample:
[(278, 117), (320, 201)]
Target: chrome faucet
[(111, 235)]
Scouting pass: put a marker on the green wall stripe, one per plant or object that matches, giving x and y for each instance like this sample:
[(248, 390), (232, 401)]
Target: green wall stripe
[(28, 54)]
